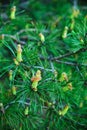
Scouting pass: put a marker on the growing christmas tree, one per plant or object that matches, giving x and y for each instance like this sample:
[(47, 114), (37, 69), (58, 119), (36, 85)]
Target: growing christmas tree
[(43, 66)]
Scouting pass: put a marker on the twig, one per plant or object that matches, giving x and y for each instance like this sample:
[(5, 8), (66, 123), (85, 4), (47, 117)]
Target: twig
[(62, 56), (66, 62), (15, 39), (30, 30), (71, 63), (69, 54), (65, 55)]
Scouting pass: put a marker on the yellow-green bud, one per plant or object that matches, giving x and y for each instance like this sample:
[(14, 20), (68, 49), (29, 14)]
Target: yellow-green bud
[(64, 35), (72, 24), (55, 73), (13, 10), (26, 111), (19, 53), (10, 75), (34, 85), (42, 38), (63, 77), (82, 41), (67, 87), (35, 79), (15, 61), (14, 90), (64, 111), (75, 13)]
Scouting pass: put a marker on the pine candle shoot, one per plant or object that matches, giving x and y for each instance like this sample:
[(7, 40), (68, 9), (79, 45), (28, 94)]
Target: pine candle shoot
[(13, 10)]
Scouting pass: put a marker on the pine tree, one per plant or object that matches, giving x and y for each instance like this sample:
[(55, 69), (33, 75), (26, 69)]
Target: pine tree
[(43, 67)]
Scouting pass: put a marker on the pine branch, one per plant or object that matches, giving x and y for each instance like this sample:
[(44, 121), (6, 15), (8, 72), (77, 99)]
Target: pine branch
[(69, 54)]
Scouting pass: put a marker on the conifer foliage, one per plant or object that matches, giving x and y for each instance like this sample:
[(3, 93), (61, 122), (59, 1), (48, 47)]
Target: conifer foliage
[(43, 66)]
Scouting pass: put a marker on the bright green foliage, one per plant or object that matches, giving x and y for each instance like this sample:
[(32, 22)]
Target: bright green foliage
[(52, 39)]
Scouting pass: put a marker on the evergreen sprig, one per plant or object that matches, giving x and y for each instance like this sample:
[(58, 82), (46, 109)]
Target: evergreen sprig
[(43, 64)]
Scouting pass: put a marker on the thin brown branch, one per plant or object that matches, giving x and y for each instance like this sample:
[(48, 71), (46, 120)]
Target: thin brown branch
[(63, 62), (69, 54), (70, 63)]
